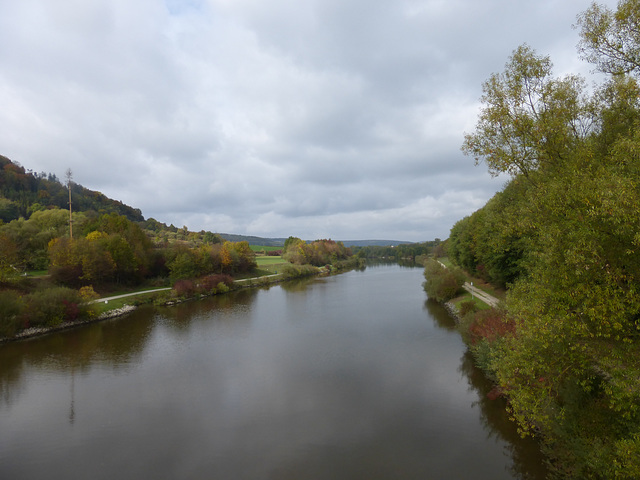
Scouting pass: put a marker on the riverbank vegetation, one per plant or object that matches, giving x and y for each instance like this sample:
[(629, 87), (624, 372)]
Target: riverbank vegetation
[(320, 253), (98, 252), (562, 236), (442, 283), (405, 251)]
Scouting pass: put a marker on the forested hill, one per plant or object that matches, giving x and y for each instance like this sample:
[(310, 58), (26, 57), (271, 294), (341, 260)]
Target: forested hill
[(23, 192)]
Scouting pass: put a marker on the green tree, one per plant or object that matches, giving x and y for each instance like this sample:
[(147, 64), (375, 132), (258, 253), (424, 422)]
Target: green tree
[(9, 210), (611, 39), (11, 308), (575, 345), (529, 120), (8, 257)]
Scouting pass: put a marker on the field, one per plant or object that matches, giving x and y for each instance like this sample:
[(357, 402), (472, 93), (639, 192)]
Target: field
[(270, 264), (262, 248)]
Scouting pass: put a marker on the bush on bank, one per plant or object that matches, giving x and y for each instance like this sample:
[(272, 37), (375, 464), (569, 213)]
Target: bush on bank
[(42, 308), (298, 271), (209, 285), (442, 284)]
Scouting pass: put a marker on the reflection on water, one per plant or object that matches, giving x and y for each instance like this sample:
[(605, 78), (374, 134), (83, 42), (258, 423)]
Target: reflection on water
[(353, 376)]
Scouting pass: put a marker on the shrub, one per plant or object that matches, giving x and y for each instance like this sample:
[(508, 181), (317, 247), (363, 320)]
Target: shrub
[(210, 283), (296, 271), (467, 307), (52, 306), (184, 288), (88, 294), (490, 325), (222, 288), (11, 307), (442, 284)]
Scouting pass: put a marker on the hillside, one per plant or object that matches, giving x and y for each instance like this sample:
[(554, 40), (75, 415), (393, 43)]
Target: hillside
[(23, 192)]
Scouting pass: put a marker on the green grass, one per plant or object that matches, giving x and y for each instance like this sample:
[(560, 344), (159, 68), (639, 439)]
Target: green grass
[(37, 273), (446, 261), (261, 261), (271, 264), (480, 305), (101, 307), (263, 248), (272, 267)]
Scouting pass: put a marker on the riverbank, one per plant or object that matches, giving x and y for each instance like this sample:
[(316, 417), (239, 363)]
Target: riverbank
[(39, 331), (125, 309)]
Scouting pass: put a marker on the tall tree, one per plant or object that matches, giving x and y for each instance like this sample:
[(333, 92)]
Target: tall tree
[(611, 39), (529, 120)]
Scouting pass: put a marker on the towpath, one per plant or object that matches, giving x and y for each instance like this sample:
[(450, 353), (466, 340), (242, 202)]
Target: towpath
[(115, 297), (484, 296)]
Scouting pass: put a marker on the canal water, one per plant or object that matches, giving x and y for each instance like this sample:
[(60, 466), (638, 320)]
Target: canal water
[(355, 376)]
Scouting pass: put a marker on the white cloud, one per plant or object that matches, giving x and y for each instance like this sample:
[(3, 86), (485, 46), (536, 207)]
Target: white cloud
[(320, 118)]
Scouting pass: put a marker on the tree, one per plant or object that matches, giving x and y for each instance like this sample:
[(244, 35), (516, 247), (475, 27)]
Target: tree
[(8, 257), (611, 40), (9, 210), (617, 106), (530, 120), (246, 258), (575, 342)]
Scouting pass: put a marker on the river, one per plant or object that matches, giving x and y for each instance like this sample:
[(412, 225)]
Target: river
[(355, 376)]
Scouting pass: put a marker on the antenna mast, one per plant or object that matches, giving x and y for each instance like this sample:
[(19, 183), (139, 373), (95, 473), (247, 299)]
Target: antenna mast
[(69, 176)]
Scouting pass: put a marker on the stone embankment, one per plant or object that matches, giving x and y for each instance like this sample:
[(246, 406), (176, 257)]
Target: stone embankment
[(36, 331)]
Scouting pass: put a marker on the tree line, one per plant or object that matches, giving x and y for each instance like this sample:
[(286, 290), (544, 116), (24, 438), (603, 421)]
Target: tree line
[(319, 253), (404, 251), (563, 236), (107, 252)]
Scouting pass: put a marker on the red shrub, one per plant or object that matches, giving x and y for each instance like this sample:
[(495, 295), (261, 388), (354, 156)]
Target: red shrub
[(210, 282), (184, 288), (71, 310), (490, 325)]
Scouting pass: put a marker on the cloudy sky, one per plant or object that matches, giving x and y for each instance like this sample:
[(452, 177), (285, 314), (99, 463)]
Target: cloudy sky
[(334, 119)]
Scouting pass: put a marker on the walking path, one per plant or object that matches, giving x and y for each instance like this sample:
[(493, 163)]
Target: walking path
[(107, 299), (484, 296)]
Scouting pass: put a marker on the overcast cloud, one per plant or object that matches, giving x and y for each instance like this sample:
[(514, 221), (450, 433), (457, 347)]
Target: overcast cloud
[(334, 119)]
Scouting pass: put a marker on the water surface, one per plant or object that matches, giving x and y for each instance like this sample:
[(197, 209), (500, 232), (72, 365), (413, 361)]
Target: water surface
[(355, 376)]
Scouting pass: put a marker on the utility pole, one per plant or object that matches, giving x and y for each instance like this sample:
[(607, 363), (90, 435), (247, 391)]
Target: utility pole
[(69, 176)]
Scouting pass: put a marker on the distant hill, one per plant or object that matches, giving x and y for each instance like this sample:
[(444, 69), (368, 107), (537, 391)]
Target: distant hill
[(279, 242), (266, 242), (22, 192), (374, 243)]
